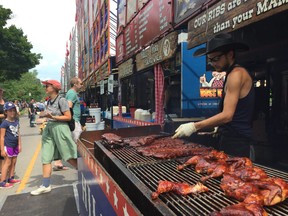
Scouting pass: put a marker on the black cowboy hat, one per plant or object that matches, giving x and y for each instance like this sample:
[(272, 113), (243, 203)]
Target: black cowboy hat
[(222, 41)]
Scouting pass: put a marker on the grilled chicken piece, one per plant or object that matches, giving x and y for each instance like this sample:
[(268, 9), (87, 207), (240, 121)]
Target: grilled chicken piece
[(249, 173), (203, 165), (207, 156), (236, 188), (283, 185), (268, 191), (178, 188), (192, 161), (238, 162), (216, 155), (242, 209), (220, 168)]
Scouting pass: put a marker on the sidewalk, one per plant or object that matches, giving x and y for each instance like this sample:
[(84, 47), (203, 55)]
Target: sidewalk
[(29, 169)]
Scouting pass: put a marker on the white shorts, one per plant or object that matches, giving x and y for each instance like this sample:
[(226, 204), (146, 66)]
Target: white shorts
[(77, 131)]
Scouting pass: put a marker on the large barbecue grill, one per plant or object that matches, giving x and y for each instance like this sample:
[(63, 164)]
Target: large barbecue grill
[(138, 177)]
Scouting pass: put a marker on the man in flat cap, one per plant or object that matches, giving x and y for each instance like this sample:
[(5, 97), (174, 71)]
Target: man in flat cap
[(237, 104)]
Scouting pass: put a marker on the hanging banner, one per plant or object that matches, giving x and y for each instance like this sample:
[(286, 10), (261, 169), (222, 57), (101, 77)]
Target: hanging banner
[(158, 52), (120, 46), (121, 13), (110, 83), (105, 69), (141, 3), (95, 8), (131, 9), (102, 87), (184, 9), (228, 15), (126, 68), (98, 76)]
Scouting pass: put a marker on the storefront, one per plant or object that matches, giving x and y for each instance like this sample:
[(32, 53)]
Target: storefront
[(142, 77), (263, 26)]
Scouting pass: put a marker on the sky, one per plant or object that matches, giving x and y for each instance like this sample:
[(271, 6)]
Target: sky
[(47, 25)]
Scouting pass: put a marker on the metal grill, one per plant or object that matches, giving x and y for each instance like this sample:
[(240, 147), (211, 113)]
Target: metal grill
[(129, 156), (200, 204), (149, 171)]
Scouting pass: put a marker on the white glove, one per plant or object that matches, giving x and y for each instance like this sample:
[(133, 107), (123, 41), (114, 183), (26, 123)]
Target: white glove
[(185, 130)]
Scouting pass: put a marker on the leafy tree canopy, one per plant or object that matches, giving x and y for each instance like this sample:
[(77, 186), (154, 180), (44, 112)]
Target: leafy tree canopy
[(27, 87), (16, 57)]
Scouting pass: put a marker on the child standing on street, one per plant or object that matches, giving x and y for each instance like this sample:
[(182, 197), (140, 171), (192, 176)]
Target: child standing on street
[(10, 143)]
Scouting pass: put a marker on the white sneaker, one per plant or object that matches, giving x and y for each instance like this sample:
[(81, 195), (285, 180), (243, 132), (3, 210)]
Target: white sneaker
[(41, 190)]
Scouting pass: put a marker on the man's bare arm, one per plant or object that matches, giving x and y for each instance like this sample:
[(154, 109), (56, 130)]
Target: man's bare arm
[(233, 87)]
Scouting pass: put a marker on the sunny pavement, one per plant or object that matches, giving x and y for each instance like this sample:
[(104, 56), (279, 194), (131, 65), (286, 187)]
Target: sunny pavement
[(28, 167)]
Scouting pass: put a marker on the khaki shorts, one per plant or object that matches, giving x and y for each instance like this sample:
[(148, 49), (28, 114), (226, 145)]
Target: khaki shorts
[(57, 143)]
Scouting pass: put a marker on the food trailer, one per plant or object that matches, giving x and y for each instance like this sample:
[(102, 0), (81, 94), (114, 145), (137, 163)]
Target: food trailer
[(118, 181)]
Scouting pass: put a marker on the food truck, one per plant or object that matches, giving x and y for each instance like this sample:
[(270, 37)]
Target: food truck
[(119, 180)]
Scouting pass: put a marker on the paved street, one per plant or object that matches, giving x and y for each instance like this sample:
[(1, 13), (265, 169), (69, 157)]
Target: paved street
[(29, 167)]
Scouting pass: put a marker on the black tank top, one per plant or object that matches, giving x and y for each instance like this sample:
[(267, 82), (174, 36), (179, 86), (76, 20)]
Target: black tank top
[(241, 124)]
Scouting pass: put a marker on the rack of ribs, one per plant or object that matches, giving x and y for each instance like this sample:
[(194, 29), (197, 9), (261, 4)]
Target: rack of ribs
[(112, 138), (173, 152)]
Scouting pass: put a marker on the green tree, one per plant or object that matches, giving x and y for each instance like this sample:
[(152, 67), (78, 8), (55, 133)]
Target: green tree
[(21, 89), (16, 57)]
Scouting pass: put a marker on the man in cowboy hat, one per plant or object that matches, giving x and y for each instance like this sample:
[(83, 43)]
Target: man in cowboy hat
[(236, 107)]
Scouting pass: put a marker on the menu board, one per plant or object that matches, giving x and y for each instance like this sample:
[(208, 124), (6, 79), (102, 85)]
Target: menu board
[(154, 20), (131, 37), (120, 48)]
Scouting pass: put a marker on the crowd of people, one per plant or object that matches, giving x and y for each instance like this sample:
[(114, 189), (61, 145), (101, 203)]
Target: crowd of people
[(58, 139)]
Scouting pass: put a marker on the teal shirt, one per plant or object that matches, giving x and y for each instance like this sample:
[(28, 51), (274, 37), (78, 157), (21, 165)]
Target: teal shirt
[(72, 96)]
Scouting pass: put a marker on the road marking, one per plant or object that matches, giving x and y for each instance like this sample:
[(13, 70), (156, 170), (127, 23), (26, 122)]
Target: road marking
[(29, 170)]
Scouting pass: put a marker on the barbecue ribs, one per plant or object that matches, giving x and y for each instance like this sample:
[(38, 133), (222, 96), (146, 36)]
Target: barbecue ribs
[(172, 152), (178, 188), (112, 138)]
